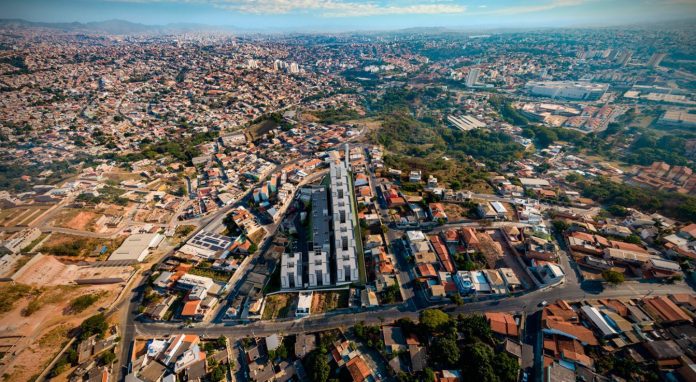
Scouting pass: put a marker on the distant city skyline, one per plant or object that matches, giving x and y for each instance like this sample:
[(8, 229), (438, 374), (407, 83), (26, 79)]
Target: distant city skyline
[(355, 14)]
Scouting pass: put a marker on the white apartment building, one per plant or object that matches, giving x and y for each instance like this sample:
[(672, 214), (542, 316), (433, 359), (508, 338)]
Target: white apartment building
[(343, 228), (291, 271)]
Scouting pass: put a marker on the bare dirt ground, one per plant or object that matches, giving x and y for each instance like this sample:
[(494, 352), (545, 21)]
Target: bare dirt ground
[(45, 330), (455, 212), (77, 219), (80, 247), (21, 216), (323, 302), (490, 249), (49, 271), (278, 305)]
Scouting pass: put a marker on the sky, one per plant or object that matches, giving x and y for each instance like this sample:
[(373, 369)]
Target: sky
[(355, 14)]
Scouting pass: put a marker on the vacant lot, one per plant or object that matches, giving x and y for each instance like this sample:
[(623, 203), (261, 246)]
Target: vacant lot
[(456, 212), (44, 326), (80, 247), (76, 219), (49, 271), (279, 305), (21, 216), (323, 302)]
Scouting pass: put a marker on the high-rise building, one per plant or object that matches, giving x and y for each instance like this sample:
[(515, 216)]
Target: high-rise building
[(318, 271), (252, 64), (294, 68), (342, 213), (656, 59), (472, 77), (291, 271), (624, 58)]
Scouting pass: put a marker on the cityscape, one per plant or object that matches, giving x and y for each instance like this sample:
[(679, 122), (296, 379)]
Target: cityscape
[(347, 190)]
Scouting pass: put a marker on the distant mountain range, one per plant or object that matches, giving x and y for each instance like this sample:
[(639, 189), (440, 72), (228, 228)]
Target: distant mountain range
[(116, 27), (123, 27)]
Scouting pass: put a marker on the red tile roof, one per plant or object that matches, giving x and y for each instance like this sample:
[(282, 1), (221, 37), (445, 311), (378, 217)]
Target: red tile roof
[(502, 323), (663, 309)]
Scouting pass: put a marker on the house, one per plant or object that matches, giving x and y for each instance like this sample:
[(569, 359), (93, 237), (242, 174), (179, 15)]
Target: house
[(358, 369), (666, 353), (660, 268), (437, 211), (551, 273), (393, 338), (663, 310), (503, 324), (540, 249)]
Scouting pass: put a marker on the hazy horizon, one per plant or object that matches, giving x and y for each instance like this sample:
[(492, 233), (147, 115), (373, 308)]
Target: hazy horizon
[(355, 15)]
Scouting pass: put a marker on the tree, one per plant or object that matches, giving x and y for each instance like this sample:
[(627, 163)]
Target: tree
[(93, 325), (317, 366), (429, 375), (560, 225), (107, 358), (476, 362), (391, 294), (633, 239), (218, 373), (434, 320), (384, 228), (572, 177), (474, 327), (221, 342), (445, 350), (506, 367), (613, 277), (457, 299)]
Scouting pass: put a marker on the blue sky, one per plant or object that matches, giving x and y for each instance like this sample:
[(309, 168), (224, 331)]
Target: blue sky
[(355, 14)]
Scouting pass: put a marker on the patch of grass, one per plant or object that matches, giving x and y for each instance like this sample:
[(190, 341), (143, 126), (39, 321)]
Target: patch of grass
[(79, 304), (34, 243), (213, 274), (55, 336), (183, 231), (10, 294), (277, 306)]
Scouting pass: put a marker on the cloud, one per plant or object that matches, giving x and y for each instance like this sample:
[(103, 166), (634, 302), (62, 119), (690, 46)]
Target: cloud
[(325, 8), (533, 8), (337, 8)]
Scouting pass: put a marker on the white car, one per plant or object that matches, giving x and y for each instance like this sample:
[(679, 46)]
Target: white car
[(543, 303)]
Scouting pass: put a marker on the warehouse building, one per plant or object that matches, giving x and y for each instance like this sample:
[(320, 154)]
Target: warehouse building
[(136, 247)]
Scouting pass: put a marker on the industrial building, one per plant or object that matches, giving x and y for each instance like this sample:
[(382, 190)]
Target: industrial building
[(579, 90), (465, 122), (136, 247)]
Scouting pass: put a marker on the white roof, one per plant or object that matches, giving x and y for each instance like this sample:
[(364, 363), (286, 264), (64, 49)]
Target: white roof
[(534, 182), (304, 300), (665, 264), (415, 236), (598, 320), (498, 207), (135, 247)]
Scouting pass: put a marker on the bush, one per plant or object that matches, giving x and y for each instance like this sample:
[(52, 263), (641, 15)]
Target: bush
[(94, 325), (434, 320), (613, 277), (83, 302)]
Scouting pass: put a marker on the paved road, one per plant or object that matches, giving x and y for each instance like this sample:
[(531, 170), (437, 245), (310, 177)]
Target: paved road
[(527, 303)]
